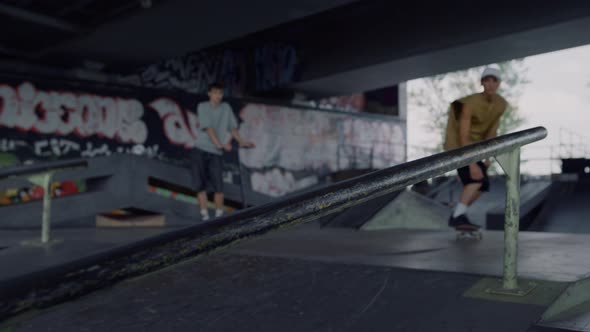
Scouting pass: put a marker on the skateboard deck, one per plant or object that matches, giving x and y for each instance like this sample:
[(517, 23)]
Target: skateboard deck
[(468, 233)]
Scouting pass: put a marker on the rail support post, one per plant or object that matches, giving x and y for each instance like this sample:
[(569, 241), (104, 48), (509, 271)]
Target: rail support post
[(510, 163)]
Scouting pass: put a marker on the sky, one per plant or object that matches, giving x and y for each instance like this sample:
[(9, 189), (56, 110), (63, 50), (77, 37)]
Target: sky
[(557, 98)]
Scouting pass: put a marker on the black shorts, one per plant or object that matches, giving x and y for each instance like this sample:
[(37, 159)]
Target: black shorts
[(466, 179), (206, 170)]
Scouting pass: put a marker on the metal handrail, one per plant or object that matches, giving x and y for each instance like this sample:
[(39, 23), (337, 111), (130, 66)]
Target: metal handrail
[(163, 250), (336, 197), (340, 196)]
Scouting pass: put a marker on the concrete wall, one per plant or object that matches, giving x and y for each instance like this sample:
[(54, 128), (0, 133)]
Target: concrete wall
[(114, 182)]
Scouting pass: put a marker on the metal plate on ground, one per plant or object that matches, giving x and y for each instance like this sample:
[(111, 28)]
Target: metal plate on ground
[(544, 293)]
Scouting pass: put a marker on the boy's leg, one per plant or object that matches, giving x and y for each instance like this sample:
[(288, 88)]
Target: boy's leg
[(216, 175), (471, 191), (218, 198), (482, 186), (198, 169), (202, 199)]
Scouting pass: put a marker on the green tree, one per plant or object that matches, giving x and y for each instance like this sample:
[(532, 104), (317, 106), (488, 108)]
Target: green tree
[(434, 94)]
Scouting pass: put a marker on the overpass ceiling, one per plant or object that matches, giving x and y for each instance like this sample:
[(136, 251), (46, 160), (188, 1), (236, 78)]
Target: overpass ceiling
[(125, 33), (507, 47), (355, 46), (369, 44)]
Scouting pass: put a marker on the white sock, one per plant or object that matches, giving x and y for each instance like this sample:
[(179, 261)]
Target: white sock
[(459, 210), (204, 212), (218, 212)]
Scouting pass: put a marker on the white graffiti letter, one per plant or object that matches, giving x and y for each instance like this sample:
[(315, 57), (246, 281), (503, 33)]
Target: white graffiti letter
[(26, 117), (175, 126), (50, 120), (9, 106), (132, 129), (109, 117), (89, 115), (68, 104)]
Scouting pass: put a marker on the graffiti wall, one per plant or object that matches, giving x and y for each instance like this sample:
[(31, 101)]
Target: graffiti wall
[(276, 64), (41, 123), (260, 69), (194, 72), (295, 148)]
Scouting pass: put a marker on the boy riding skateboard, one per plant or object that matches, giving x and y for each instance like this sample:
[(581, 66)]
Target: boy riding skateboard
[(472, 119)]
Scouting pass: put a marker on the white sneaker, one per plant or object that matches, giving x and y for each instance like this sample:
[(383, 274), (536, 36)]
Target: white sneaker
[(218, 213), (204, 215)]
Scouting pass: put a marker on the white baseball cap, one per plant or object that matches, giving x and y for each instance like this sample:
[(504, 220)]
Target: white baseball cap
[(491, 71)]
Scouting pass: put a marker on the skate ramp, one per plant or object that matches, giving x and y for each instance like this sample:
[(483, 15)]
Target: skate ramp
[(410, 210), (357, 216), (567, 208)]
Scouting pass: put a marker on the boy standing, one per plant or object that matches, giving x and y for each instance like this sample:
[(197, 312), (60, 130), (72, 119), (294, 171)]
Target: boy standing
[(216, 121)]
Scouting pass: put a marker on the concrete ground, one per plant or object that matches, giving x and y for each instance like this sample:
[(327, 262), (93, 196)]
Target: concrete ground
[(308, 278)]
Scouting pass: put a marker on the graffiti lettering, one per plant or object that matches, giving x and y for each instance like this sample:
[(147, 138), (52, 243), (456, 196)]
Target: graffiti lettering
[(276, 183), (50, 112), (55, 147), (91, 151), (177, 129), (317, 141), (275, 65), (7, 145), (194, 72), (141, 150)]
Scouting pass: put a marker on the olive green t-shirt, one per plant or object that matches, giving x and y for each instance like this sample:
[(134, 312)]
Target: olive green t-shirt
[(485, 114)]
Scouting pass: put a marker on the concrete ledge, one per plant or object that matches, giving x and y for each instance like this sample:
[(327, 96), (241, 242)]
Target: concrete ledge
[(130, 218)]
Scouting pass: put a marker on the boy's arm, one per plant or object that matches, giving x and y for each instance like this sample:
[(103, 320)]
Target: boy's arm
[(233, 128), (213, 137), (236, 135)]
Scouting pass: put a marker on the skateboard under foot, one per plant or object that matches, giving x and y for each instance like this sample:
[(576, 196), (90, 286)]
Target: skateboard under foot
[(468, 233)]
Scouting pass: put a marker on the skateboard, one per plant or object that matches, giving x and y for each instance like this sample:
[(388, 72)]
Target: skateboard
[(468, 233)]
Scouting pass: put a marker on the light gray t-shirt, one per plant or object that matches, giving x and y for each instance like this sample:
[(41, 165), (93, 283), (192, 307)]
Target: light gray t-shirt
[(221, 119)]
